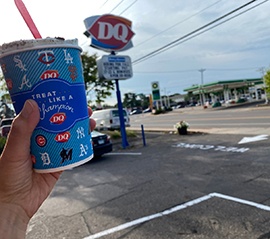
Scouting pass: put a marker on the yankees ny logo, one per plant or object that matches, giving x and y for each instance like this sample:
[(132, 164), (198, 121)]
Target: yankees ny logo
[(80, 133)]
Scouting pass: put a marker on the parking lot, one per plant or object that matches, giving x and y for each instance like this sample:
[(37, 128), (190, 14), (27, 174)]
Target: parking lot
[(193, 186)]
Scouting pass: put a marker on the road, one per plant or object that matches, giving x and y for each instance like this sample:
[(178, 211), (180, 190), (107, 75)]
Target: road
[(250, 119)]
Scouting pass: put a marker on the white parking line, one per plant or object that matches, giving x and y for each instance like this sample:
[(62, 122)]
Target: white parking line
[(174, 209), (124, 154)]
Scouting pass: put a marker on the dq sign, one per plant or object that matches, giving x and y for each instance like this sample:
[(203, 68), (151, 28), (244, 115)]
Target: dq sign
[(109, 32)]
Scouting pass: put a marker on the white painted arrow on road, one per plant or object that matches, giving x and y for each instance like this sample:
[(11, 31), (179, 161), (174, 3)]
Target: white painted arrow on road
[(253, 139)]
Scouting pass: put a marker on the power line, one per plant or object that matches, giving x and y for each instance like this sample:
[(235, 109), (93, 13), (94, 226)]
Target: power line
[(159, 50), (195, 70), (117, 6), (103, 4), (180, 22), (128, 7), (189, 35)]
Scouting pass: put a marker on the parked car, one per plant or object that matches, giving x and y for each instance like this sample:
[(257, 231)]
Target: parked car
[(101, 143), (135, 112), (109, 119), (5, 126), (148, 110)]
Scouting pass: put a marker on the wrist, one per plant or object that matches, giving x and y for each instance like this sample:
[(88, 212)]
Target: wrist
[(13, 221)]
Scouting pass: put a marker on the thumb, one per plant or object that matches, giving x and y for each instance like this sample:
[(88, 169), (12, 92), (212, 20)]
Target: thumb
[(18, 143)]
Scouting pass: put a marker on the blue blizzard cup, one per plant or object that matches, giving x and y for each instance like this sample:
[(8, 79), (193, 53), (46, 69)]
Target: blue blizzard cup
[(49, 71)]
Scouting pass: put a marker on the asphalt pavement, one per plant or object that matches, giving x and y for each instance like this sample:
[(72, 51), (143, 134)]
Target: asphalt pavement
[(197, 186)]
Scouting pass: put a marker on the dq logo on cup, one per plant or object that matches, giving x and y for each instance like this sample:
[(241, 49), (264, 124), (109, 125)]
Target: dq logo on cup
[(53, 78), (58, 118)]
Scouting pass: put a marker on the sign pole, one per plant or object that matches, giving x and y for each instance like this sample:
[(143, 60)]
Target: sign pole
[(112, 33), (121, 114)]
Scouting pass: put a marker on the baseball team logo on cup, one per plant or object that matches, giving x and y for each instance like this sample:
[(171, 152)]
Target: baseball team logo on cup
[(49, 71)]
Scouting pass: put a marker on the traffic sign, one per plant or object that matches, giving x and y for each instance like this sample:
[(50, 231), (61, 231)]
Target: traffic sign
[(112, 67)]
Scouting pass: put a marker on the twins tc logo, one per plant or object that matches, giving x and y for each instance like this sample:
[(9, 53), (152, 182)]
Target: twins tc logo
[(46, 57)]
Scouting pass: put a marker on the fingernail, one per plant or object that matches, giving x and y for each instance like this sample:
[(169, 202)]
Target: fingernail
[(27, 109)]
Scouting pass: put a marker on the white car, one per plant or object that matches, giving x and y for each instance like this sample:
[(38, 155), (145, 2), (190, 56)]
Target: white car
[(109, 119)]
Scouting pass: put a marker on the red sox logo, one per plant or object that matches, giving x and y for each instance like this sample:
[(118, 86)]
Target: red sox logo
[(109, 32)]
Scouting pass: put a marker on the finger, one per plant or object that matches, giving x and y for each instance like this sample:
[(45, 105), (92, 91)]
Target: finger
[(90, 111), (18, 143), (92, 122)]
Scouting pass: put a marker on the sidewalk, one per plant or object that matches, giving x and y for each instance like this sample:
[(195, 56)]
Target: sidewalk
[(231, 130)]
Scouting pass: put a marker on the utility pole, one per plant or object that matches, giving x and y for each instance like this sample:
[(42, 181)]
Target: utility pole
[(201, 89), (262, 71)]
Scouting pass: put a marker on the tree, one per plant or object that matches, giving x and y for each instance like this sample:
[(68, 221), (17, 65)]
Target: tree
[(5, 97), (144, 100), (267, 83), (5, 110), (101, 88), (130, 100)]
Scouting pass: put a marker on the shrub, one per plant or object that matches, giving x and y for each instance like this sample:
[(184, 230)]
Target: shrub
[(2, 143)]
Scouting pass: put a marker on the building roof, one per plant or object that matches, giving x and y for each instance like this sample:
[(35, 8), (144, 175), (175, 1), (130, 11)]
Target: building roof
[(221, 85)]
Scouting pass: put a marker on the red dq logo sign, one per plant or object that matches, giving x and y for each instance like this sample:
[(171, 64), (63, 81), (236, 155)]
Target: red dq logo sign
[(62, 137), (109, 32), (58, 118)]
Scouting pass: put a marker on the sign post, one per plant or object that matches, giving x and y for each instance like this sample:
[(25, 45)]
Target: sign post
[(112, 34)]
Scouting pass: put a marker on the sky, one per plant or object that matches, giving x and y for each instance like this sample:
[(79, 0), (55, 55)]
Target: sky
[(237, 49)]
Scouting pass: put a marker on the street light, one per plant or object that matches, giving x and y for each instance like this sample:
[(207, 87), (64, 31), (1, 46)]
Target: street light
[(262, 70), (201, 93)]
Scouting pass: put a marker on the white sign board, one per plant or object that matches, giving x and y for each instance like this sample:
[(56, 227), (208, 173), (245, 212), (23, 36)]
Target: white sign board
[(113, 67)]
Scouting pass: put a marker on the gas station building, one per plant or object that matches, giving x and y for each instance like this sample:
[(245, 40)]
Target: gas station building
[(229, 90)]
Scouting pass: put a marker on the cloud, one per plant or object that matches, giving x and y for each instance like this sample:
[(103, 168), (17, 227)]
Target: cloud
[(242, 42)]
